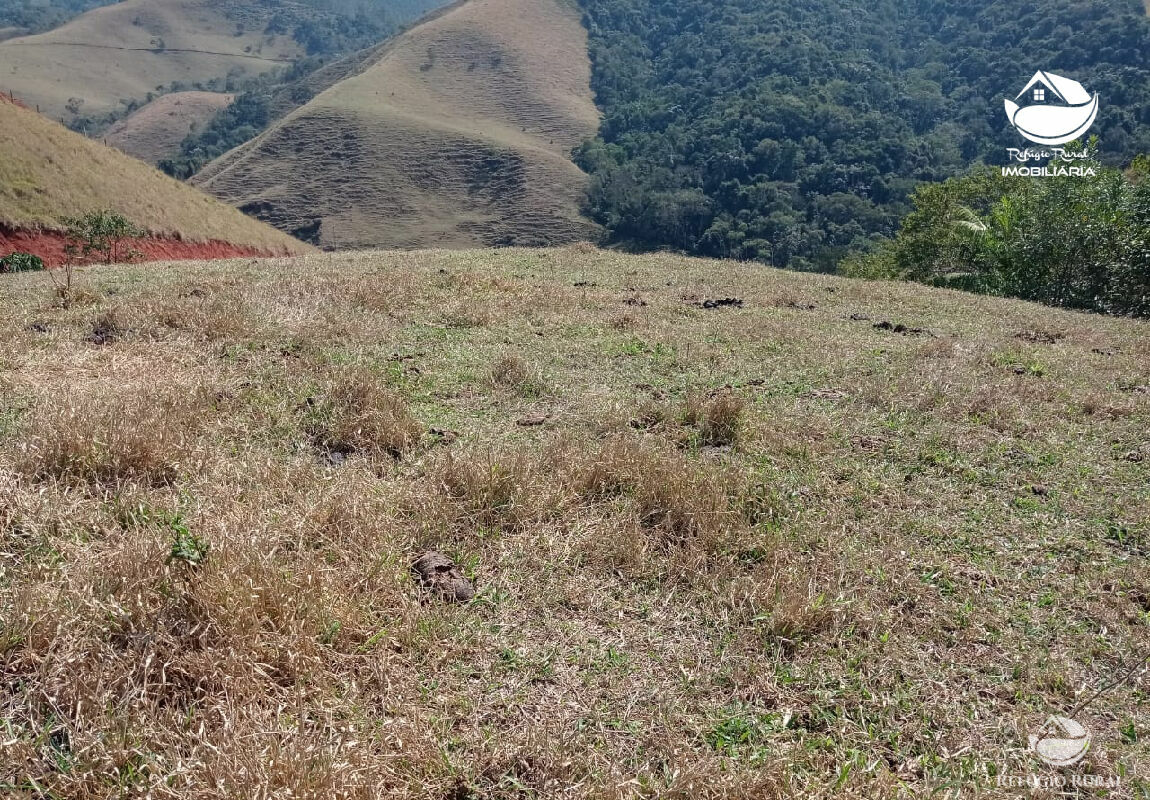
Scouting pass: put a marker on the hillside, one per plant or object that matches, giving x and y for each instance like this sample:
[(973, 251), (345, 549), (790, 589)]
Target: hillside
[(48, 172), (126, 50), (838, 539), (156, 130), (458, 134)]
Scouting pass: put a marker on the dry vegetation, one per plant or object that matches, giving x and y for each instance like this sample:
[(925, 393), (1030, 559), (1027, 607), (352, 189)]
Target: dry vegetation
[(156, 131), (127, 49), (458, 135), (48, 172), (757, 551)]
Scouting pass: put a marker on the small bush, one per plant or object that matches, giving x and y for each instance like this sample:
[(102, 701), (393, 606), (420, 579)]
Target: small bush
[(361, 416), (512, 372), (21, 262), (103, 234), (146, 438)]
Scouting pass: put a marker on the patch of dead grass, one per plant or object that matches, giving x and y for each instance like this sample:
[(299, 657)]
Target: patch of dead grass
[(147, 436), (358, 414)]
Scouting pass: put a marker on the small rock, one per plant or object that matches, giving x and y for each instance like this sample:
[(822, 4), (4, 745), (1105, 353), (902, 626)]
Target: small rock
[(445, 436), (722, 302), (826, 394), (533, 419), (440, 575)]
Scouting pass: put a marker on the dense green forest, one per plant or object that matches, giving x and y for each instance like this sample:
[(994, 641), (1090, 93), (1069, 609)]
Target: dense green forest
[(1075, 242), (36, 16), (795, 132)]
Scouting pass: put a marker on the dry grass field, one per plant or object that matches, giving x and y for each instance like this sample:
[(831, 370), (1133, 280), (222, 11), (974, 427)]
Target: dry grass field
[(155, 131), (125, 50), (48, 172), (776, 549), (458, 135)]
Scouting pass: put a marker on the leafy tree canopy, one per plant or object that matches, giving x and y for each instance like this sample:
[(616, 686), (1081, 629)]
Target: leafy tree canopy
[(794, 132), (1076, 242)]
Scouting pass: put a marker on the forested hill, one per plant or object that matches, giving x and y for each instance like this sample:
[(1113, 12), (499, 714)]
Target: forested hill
[(792, 132)]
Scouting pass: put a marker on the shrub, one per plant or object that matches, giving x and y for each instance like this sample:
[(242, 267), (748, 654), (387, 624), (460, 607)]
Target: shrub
[(21, 262), (359, 415), (102, 233), (1076, 241)]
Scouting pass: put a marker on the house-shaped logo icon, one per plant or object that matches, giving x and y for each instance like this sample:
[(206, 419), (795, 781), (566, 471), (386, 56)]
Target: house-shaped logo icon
[(1060, 109)]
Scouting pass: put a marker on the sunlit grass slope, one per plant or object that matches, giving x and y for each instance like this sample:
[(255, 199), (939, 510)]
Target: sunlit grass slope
[(845, 539)]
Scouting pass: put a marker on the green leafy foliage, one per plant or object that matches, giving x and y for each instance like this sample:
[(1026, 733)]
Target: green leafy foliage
[(1076, 242), (34, 16), (794, 132), (21, 262), (103, 234), (187, 547), (242, 120)]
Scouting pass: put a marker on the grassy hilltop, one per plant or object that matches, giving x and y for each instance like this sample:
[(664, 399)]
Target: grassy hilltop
[(776, 549)]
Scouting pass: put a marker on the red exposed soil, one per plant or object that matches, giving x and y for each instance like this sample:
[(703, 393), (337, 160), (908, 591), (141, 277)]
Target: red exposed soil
[(49, 245)]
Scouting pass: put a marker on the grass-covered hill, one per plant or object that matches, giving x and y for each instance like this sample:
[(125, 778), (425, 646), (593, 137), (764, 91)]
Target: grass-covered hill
[(48, 173), (793, 132), (828, 538), (125, 50), (458, 133), (156, 131), (120, 54)]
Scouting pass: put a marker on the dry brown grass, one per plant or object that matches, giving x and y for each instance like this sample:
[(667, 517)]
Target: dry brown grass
[(49, 172), (357, 414), (752, 553), (155, 131), (110, 54), (147, 436), (458, 135)]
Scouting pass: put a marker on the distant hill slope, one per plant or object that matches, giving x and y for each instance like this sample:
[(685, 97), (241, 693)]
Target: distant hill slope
[(128, 49), (156, 130), (457, 135), (48, 172)]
